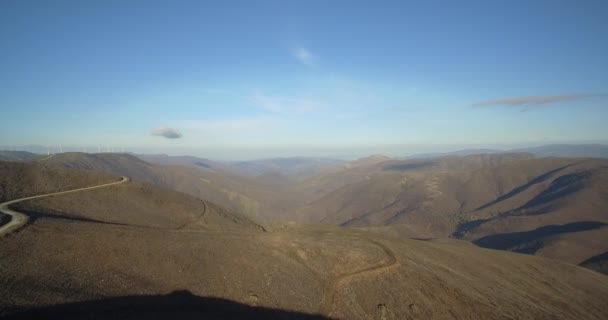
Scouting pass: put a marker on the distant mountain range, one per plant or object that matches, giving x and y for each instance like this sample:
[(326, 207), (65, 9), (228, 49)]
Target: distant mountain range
[(553, 150), (568, 150), (16, 155)]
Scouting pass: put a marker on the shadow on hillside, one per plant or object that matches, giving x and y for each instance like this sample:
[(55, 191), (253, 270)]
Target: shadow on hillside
[(177, 305), (559, 188), (465, 227), (598, 263), (530, 241), (521, 188)]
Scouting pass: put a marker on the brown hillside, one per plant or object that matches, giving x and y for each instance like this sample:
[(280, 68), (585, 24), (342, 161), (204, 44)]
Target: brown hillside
[(136, 204), (131, 250), (248, 195), (343, 274), (20, 179), (363, 169), (513, 197)]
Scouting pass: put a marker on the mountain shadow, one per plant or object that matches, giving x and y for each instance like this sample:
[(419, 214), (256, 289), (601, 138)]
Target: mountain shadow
[(598, 263), (521, 188), (176, 305), (561, 187), (530, 241), (465, 227)]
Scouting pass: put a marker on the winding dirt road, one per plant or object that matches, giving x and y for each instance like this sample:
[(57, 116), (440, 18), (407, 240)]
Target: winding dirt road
[(19, 219), (47, 157), (335, 284), (432, 186), (332, 292), (205, 208)]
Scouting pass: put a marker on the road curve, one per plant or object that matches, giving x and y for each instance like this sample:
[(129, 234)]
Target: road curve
[(47, 157), (205, 208), (329, 300), (19, 219)]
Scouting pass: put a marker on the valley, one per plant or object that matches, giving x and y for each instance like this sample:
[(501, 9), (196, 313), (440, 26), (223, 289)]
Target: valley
[(303, 160), (370, 239)]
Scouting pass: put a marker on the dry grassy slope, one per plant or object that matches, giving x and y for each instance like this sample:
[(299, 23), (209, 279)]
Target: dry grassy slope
[(292, 268), (440, 199), (239, 193), (346, 273), (362, 169), (137, 204), (550, 207), (131, 203), (562, 214), (449, 280), (295, 168), (335, 177), (598, 263), (456, 163), (18, 179)]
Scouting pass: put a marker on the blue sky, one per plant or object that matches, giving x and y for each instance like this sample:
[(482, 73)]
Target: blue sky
[(243, 79)]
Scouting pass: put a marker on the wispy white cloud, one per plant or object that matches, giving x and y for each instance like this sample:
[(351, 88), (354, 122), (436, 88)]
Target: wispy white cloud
[(535, 100), (166, 132), (285, 105), (304, 56)]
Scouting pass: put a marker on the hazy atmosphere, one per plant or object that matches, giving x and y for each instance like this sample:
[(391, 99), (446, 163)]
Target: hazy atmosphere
[(239, 80), (303, 160)]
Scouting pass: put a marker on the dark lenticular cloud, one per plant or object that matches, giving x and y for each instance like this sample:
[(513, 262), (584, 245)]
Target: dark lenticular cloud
[(535, 100), (166, 132)]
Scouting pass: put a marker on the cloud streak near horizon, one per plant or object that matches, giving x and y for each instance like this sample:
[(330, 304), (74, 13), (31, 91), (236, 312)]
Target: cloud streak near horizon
[(166, 132), (535, 100)]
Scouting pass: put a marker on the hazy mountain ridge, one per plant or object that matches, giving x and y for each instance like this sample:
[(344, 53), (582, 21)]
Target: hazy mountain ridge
[(16, 155), (568, 150), (191, 161), (551, 150), (297, 168)]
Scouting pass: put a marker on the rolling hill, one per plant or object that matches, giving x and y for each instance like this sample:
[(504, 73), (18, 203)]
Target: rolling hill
[(296, 168), (135, 250), (188, 161), (16, 155), (483, 199), (554, 207), (256, 197)]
